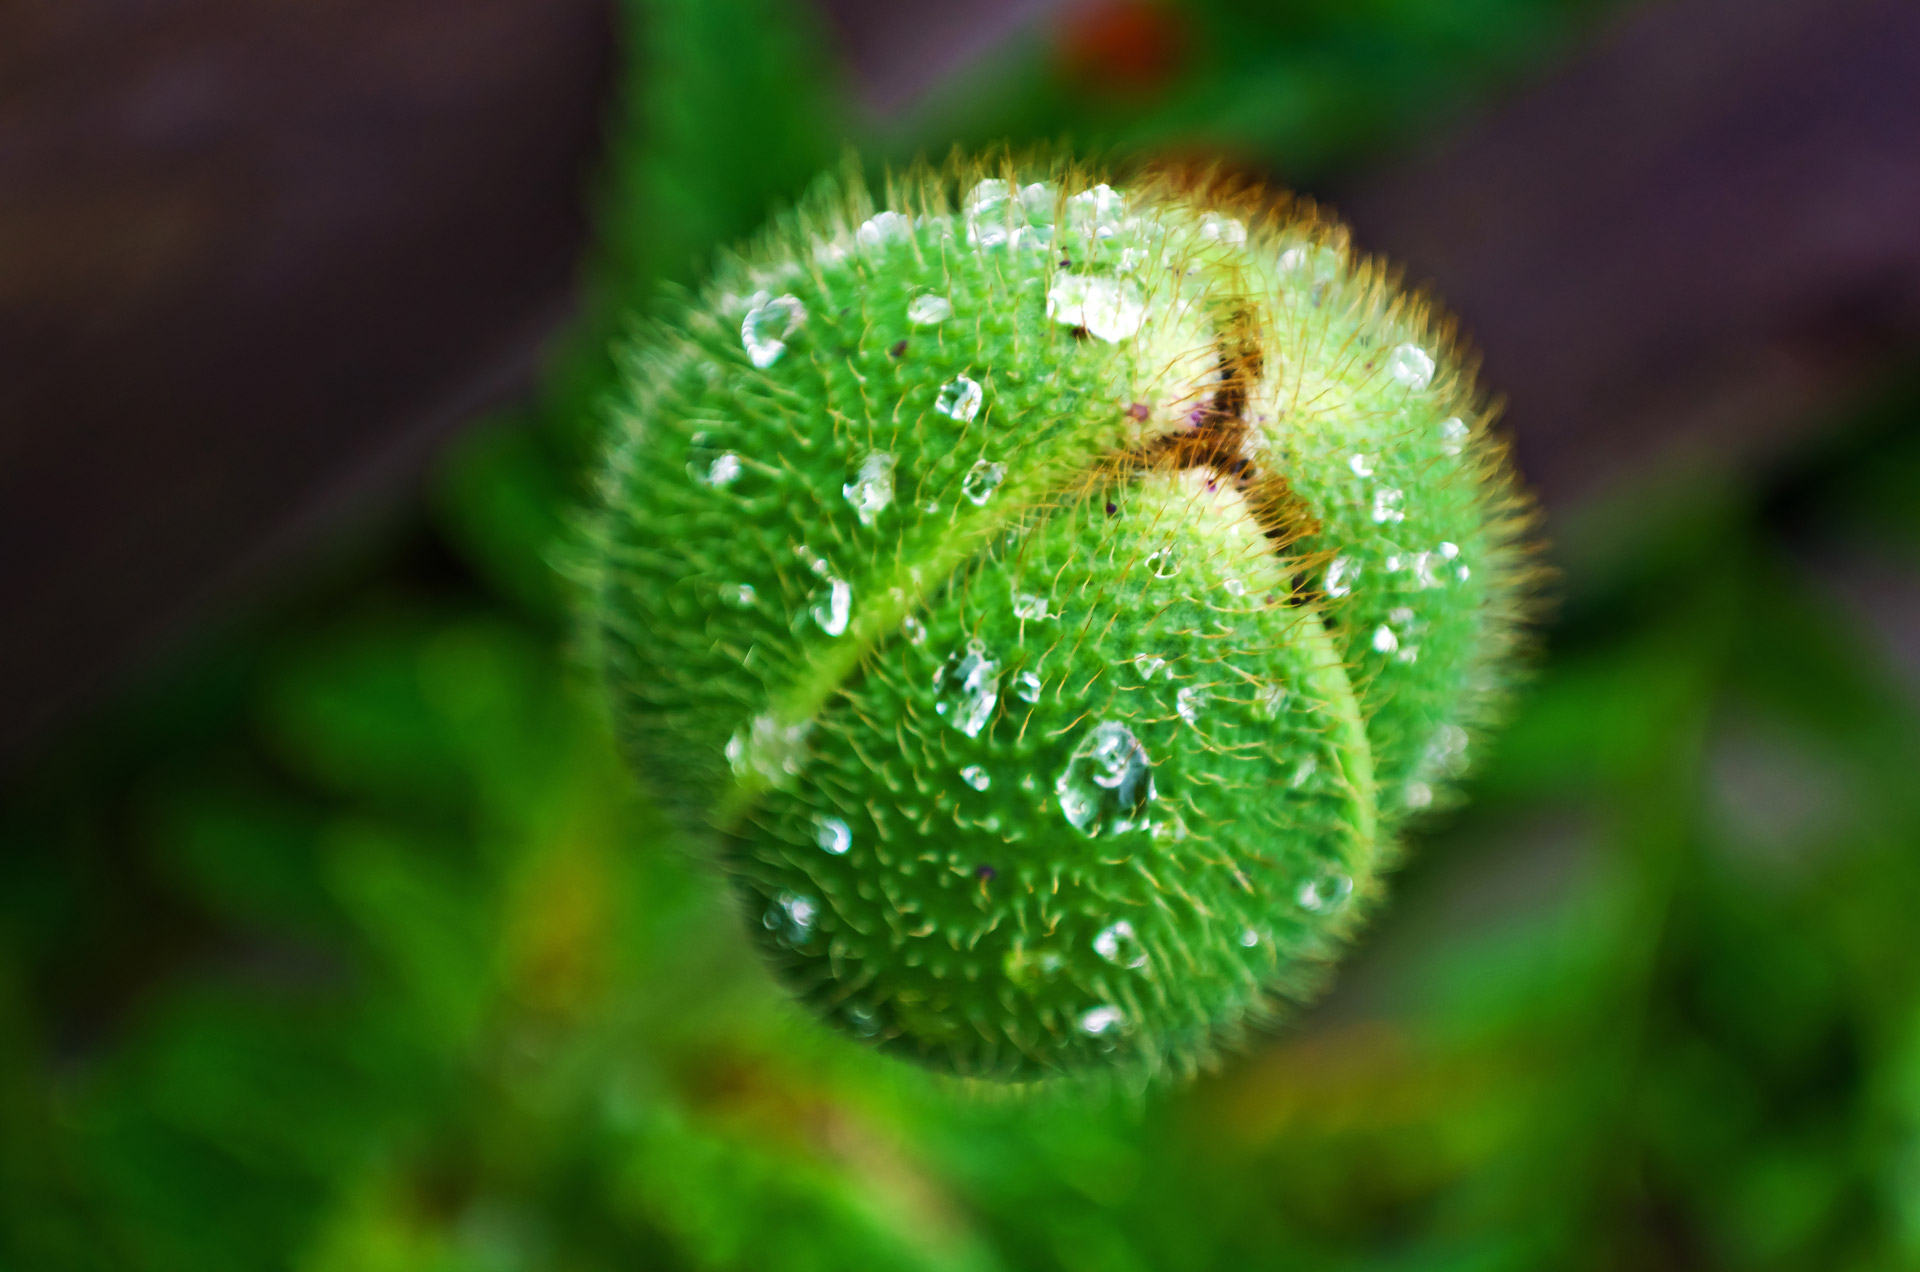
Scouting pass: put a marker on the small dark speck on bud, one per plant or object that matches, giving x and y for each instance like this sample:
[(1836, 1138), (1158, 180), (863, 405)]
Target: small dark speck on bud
[(1066, 262), (984, 872), (1138, 410), (1112, 507), (898, 351), (1081, 333)]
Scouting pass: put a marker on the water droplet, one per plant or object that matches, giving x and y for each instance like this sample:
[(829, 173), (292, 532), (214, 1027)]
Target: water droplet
[(966, 689), (861, 1019), (1188, 703), (1272, 700), (882, 228), (1453, 435), (1384, 640), (832, 614), (987, 213), (1234, 587), (738, 595), (1400, 614), (1341, 576), (1447, 751), (1423, 575), (1249, 938), (1222, 229), (764, 331), (1118, 945), (1036, 200), (929, 310), (1110, 308), (982, 480), (1108, 781), (1449, 551), (1408, 654), (960, 399), (914, 630), (1317, 264), (1165, 563), (1100, 1020), (1027, 605), (832, 834), (1174, 828), (1096, 212), (1147, 664), (724, 470), (1360, 464), (1386, 505), (1410, 365), (1028, 686), (1418, 795), (791, 917), (872, 490), (975, 776), (1325, 893), (1303, 772), (769, 750), (1463, 574)]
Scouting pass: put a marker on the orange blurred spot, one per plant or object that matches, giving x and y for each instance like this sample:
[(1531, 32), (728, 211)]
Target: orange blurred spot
[(1122, 46)]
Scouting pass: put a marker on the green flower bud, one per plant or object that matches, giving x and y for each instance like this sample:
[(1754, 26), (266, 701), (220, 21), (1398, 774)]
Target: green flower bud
[(1051, 598)]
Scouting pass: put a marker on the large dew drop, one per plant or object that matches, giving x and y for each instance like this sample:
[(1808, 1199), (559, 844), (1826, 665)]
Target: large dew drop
[(872, 490), (988, 213), (1028, 606), (1096, 213), (769, 750), (791, 917), (1325, 893), (1110, 308), (833, 835), (1108, 781), (764, 331), (1410, 365), (967, 688), (883, 228), (1118, 945), (929, 310), (982, 480), (832, 614), (960, 399), (1341, 575)]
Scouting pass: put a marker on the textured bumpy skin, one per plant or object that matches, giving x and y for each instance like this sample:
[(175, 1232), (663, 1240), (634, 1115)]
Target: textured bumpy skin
[(1051, 599)]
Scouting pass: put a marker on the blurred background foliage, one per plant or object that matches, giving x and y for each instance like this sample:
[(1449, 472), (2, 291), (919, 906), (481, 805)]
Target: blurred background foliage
[(345, 945)]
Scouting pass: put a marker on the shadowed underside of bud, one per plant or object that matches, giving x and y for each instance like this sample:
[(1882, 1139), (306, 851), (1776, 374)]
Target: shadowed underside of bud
[(1052, 597)]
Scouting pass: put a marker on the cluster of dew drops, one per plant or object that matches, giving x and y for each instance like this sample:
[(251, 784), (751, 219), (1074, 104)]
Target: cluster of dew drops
[(1107, 784)]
